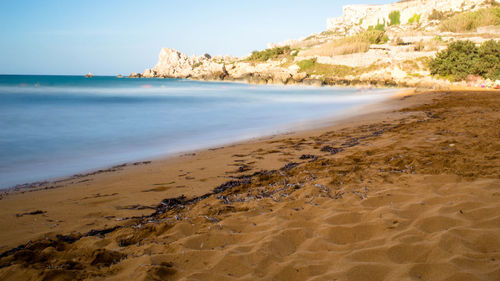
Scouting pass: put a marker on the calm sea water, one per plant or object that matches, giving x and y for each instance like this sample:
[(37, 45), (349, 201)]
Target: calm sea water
[(54, 126)]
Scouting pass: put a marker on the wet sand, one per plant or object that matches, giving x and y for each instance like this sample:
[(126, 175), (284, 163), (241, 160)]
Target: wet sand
[(409, 191)]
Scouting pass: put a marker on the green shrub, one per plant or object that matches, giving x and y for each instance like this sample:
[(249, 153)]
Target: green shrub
[(379, 27), (488, 61), (394, 18), (470, 21), (304, 65), (415, 19), (456, 61), (438, 38), (269, 53), (462, 58)]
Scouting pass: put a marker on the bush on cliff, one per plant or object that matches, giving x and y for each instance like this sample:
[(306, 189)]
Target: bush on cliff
[(415, 19), (394, 18), (267, 54), (379, 26), (359, 43), (462, 58)]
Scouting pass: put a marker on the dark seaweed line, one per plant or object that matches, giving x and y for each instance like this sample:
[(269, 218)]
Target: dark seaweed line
[(60, 238), (163, 207)]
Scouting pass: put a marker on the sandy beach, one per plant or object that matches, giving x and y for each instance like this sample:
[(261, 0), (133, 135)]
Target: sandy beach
[(409, 190)]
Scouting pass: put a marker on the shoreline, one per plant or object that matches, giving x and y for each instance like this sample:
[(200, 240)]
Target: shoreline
[(314, 123), (365, 193), (142, 168), (310, 82)]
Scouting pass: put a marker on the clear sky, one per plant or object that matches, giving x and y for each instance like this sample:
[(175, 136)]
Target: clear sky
[(108, 37)]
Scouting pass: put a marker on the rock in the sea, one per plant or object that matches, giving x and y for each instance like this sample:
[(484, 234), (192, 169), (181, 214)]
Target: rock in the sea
[(135, 75), (148, 73)]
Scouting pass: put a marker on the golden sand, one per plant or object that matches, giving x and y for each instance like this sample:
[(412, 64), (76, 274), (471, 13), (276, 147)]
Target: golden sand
[(412, 193)]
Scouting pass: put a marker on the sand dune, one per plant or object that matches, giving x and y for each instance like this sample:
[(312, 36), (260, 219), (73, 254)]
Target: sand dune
[(410, 194)]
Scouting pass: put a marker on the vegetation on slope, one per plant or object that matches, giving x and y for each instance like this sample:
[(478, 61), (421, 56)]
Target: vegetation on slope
[(462, 58), (394, 18), (374, 36), (359, 43), (470, 21), (273, 53), (415, 19), (436, 15), (312, 67)]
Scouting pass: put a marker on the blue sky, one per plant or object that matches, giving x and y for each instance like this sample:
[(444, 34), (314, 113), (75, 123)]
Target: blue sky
[(118, 37)]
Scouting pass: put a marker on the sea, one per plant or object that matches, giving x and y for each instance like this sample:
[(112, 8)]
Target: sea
[(57, 126)]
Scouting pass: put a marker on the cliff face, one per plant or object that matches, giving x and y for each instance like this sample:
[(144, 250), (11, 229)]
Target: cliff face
[(369, 15)]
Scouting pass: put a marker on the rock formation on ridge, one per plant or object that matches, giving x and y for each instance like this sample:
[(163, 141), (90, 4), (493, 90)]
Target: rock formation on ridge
[(363, 16)]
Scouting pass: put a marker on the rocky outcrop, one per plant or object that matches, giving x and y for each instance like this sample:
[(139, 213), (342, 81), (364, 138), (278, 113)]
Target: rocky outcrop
[(135, 75), (174, 64)]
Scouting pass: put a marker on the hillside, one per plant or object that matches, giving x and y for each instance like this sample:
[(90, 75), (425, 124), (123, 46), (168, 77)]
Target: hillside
[(382, 45)]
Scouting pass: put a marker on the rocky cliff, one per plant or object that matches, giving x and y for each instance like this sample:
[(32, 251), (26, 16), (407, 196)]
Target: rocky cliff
[(397, 58), (174, 64)]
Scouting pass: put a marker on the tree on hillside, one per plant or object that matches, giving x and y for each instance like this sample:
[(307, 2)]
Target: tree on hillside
[(394, 18), (462, 58)]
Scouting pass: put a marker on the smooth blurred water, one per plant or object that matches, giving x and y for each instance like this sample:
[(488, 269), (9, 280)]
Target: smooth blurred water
[(53, 126)]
